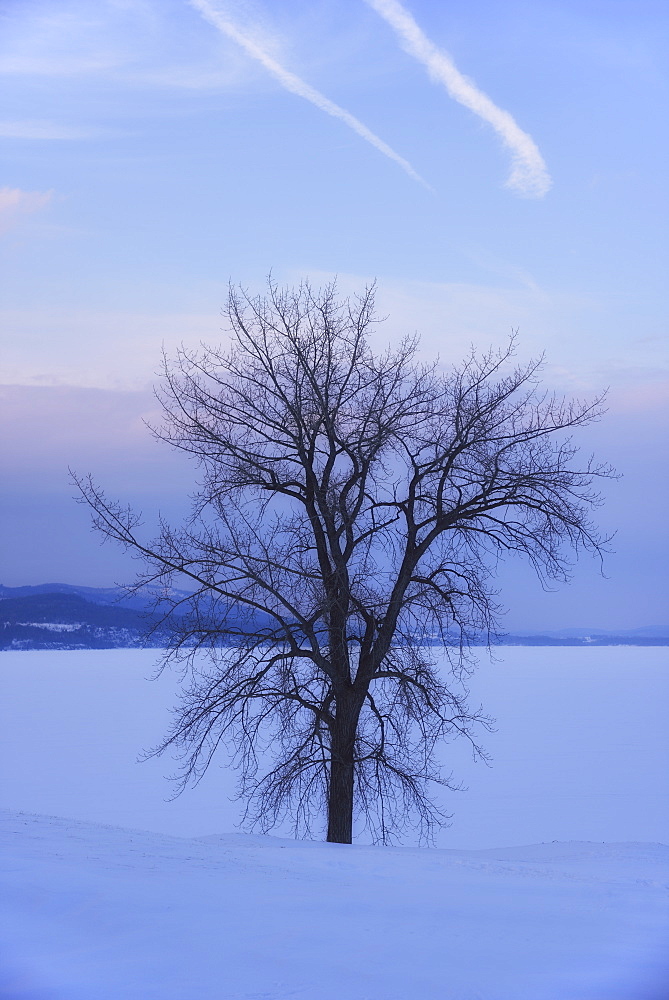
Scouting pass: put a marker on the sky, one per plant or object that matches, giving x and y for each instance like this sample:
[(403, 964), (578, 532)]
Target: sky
[(493, 165)]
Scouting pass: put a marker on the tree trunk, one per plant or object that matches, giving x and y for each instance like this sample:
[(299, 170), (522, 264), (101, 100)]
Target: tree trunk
[(340, 791)]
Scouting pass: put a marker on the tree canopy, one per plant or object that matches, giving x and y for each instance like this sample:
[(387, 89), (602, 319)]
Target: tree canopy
[(341, 550)]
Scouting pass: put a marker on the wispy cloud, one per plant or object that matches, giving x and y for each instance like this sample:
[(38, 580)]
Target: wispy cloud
[(39, 129), (529, 175), (15, 203), (128, 42), (297, 86), (54, 65)]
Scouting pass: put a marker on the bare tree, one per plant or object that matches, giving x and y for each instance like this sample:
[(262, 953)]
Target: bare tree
[(342, 543)]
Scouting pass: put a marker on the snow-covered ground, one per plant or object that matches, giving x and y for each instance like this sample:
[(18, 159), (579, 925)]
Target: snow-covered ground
[(193, 911), (101, 913), (581, 750)]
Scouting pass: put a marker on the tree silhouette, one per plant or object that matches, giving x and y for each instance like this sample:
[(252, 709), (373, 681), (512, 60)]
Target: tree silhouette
[(342, 545)]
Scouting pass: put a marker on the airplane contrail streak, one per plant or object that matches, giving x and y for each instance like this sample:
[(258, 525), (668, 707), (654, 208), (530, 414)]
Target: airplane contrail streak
[(529, 175), (298, 86)]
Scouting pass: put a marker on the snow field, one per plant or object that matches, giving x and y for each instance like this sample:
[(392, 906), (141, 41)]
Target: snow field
[(93, 912), (99, 913), (581, 750)]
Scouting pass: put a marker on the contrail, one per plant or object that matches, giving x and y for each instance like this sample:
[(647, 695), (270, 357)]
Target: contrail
[(529, 175), (297, 86)]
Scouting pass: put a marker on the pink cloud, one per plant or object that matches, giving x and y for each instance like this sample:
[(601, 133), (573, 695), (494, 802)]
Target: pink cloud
[(644, 397), (15, 203)]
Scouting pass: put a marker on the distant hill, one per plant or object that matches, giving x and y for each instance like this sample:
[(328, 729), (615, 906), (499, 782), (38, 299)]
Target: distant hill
[(593, 634), (54, 620), (63, 616), (66, 609), (116, 596)]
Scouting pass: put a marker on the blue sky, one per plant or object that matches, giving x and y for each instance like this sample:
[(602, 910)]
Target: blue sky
[(151, 151)]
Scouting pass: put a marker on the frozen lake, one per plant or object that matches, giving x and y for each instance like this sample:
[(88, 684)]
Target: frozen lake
[(552, 885), (581, 750)]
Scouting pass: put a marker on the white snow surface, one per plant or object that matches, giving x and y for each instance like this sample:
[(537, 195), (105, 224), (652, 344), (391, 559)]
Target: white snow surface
[(92, 909), (102, 913)]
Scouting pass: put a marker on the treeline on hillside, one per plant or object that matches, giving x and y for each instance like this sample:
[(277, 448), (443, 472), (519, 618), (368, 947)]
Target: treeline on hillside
[(60, 616)]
